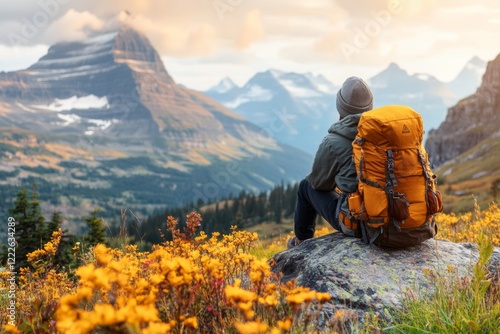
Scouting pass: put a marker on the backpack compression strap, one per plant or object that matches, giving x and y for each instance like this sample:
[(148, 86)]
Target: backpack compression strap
[(428, 178), (391, 184)]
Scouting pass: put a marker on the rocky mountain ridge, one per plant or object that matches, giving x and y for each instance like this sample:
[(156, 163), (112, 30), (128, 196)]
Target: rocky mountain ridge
[(464, 148), (471, 121)]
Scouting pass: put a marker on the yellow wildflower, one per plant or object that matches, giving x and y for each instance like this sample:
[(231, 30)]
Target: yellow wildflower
[(323, 297), (268, 300), (303, 297), (86, 273), (339, 314), (252, 327), (105, 315), (102, 256), (191, 322), (11, 329), (260, 269), (84, 293), (156, 278), (174, 279), (245, 306), (285, 325), (49, 248), (237, 294), (101, 278)]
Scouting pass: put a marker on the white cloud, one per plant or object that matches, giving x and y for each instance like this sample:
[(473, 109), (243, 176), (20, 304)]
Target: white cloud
[(73, 26), (251, 31)]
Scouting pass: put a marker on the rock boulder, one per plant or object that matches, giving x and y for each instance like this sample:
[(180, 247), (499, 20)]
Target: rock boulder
[(363, 277)]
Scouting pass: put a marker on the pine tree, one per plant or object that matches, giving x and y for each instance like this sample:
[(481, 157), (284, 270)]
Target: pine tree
[(55, 222), (24, 232), (261, 207), (278, 211), (31, 233), (97, 232)]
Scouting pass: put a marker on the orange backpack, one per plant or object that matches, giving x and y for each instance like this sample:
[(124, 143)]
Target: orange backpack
[(397, 198)]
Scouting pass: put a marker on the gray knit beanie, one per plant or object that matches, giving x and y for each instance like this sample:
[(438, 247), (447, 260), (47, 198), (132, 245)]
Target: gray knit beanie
[(354, 97)]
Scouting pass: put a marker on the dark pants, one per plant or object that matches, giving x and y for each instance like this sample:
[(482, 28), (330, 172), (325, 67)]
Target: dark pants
[(310, 203)]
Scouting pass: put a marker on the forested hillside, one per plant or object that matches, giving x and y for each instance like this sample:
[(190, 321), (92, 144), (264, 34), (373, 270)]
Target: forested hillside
[(244, 211)]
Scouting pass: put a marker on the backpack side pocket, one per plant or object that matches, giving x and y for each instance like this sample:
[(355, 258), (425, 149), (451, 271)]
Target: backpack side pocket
[(434, 201)]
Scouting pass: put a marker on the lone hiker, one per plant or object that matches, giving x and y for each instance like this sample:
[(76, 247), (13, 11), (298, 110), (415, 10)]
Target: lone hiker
[(333, 165)]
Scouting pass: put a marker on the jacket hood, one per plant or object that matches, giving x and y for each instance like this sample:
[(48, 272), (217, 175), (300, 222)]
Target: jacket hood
[(347, 127)]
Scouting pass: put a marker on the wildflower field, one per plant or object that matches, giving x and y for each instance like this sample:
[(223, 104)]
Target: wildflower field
[(198, 283)]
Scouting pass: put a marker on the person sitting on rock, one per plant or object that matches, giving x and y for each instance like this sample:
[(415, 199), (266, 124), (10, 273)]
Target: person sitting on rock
[(333, 165)]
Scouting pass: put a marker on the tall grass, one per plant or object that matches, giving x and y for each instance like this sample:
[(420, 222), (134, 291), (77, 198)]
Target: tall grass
[(458, 305)]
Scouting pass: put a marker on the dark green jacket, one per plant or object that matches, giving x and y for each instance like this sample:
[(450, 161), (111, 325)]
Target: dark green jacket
[(333, 164)]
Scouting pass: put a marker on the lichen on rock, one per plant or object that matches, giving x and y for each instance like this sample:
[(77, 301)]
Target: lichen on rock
[(365, 278)]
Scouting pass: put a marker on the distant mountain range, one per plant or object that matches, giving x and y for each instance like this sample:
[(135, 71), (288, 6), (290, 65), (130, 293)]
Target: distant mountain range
[(101, 123), (301, 107), (294, 107)]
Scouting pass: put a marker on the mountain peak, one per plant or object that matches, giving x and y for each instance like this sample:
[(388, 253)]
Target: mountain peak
[(393, 65), (224, 86), (322, 83), (109, 46), (275, 73), (469, 77), (394, 69), (392, 73), (477, 61), (131, 46)]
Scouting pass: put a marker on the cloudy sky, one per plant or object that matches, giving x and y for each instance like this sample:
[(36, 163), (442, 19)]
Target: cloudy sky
[(202, 41)]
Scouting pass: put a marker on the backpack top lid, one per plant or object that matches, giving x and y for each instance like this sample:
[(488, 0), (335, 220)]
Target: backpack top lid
[(392, 126)]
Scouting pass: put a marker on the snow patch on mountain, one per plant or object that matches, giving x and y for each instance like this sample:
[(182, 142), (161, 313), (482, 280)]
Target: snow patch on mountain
[(255, 93), (322, 84), (297, 91), (52, 75), (479, 71), (262, 179), (276, 73), (224, 86), (68, 119), (422, 76), (477, 66), (79, 103), (95, 46), (23, 107), (100, 124), (74, 58), (102, 39)]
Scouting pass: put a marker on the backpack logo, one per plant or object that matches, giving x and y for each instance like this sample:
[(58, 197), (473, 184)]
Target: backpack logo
[(406, 130)]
